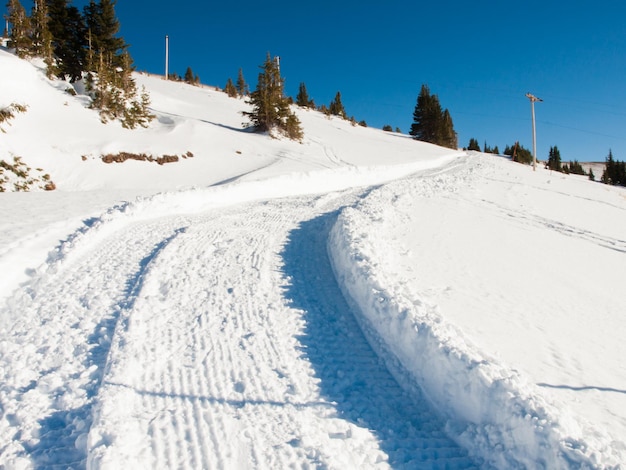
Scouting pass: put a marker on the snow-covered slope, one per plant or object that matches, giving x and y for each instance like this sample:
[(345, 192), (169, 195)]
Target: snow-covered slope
[(360, 300), (499, 281)]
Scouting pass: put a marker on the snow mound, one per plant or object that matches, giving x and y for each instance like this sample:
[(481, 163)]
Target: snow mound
[(490, 409)]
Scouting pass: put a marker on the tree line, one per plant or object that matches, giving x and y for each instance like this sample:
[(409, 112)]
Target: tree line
[(614, 172), (83, 45), (271, 108)]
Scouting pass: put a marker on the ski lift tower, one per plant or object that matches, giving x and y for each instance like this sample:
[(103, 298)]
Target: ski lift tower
[(532, 99)]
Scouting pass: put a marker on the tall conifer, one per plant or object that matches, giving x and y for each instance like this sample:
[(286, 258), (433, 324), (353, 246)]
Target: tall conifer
[(430, 123), (41, 36), (270, 106), (103, 26), (336, 107), (554, 159), (69, 39), (302, 99), (242, 86), (19, 38)]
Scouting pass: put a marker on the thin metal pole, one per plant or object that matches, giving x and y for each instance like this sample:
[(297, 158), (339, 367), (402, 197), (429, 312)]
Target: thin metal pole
[(167, 56), (532, 99), (532, 110)]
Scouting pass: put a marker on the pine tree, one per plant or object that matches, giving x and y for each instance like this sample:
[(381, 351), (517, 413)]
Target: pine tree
[(41, 36), (576, 168), (114, 94), (430, 124), (519, 154), (448, 137), (19, 38), (69, 39), (336, 107), (230, 88), (614, 171), (113, 90), (190, 77), (103, 26), (270, 107), (242, 86), (302, 98), (554, 159), (473, 145)]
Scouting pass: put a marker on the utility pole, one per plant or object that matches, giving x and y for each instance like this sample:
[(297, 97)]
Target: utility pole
[(532, 99), (167, 56)]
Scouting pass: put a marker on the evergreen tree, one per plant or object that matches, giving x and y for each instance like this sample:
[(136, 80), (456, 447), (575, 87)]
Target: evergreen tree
[(592, 177), (519, 154), (41, 36), (448, 137), (115, 95), (68, 39), (270, 107), (430, 124), (103, 26), (19, 38), (387, 128), (230, 88), (302, 98), (614, 171), (336, 107), (426, 116), (242, 86), (190, 77), (554, 159), (112, 87), (473, 145), (576, 168)]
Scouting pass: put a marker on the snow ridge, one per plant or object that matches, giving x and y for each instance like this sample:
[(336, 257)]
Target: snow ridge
[(490, 409)]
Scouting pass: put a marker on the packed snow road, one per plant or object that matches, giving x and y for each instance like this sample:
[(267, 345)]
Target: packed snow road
[(216, 339)]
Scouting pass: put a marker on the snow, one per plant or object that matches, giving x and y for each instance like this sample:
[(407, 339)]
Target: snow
[(359, 300)]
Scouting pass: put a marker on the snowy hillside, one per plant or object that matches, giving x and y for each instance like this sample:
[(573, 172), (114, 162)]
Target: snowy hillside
[(360, 300)]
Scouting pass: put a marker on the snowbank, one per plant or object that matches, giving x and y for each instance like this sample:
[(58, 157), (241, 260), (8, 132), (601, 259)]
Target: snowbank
[(490, 409)]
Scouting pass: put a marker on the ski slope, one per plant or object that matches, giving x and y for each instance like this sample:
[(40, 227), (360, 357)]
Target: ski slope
[(360, 300)]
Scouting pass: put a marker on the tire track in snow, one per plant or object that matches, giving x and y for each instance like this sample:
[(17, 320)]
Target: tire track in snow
[(534, 220), (352, 375), (203, 370), (54, 348), (241, 353)]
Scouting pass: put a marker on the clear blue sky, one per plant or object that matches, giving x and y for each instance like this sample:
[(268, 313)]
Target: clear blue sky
[(480, 58)]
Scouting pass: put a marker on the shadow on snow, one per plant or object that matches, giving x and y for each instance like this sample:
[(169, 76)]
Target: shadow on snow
[(63, 434), (351, 374)]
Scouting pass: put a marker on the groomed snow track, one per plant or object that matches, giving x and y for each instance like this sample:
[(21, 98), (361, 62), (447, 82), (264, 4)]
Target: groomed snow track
[(203, 338)]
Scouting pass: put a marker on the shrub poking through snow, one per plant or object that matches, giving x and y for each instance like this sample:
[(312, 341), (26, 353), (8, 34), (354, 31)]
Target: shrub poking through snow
[(7, 113), (17, 176), (121, 157)]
